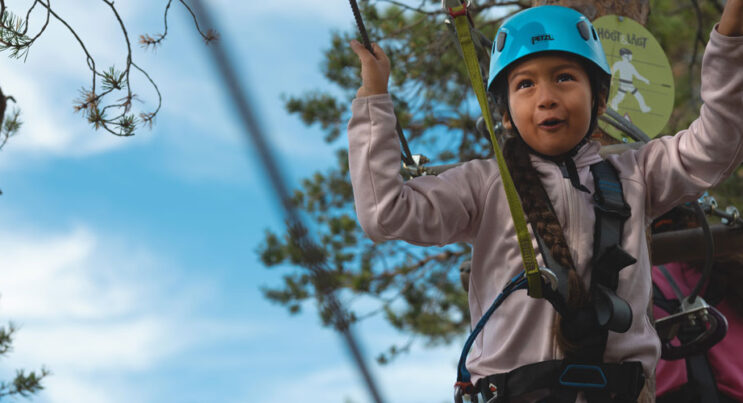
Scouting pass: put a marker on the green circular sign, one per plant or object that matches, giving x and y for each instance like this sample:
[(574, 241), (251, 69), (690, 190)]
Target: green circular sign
[(642, 87)]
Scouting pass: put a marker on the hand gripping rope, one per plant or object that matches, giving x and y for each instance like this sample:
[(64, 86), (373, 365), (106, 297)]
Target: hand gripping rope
[(407, 157)]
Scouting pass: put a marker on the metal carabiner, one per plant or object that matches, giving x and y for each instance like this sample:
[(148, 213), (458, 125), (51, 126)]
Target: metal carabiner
[(549, 277), (692, 314)]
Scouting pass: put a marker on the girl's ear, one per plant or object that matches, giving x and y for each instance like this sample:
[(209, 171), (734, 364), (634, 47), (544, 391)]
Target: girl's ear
[(602, 105), (506, 120)]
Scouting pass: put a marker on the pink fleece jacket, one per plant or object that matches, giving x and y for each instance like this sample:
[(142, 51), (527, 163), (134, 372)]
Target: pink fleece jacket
[(724, 357), (468, 204)]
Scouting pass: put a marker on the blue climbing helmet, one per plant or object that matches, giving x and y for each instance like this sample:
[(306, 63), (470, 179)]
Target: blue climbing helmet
[(546, 29)]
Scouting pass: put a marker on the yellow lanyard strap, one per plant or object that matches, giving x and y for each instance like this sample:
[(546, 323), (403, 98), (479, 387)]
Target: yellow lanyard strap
[(461, 22)]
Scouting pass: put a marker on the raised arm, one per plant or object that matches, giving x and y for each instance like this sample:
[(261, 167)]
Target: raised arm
[(430, 210), (678, 168), (731, 22)]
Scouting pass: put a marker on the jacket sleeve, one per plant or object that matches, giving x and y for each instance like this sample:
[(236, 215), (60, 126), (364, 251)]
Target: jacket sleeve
[(428, 210), (679, 168)]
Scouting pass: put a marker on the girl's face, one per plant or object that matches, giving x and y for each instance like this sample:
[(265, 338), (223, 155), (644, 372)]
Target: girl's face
[(550, 103)]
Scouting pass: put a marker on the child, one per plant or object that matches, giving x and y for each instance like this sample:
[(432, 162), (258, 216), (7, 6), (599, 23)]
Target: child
[(551, 90)]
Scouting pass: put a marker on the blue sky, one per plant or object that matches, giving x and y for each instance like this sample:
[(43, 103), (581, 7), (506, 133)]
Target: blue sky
[(129, 263)]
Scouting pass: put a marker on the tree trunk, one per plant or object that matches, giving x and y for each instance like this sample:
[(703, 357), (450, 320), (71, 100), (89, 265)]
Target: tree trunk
[(638, 10)]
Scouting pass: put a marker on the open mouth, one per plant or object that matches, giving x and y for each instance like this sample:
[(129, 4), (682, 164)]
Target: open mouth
[(551, 123)]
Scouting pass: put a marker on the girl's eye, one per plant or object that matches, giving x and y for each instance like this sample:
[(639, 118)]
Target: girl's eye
[(565, 77), (524, 84)]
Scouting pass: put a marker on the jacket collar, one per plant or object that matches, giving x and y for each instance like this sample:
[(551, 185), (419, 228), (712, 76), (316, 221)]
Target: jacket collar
[(587, 155)]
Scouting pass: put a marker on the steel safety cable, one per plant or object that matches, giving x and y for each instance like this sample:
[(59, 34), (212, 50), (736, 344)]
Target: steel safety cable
[(318, 266)]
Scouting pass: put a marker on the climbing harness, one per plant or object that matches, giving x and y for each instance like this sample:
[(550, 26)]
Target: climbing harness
[(590, 325)]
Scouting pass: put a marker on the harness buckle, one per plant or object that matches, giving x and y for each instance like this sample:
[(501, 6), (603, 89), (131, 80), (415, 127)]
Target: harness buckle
[(583, 376), (463, 388), (451, 7)]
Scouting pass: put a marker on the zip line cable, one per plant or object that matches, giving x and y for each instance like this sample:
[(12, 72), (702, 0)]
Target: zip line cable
[(316, 263)]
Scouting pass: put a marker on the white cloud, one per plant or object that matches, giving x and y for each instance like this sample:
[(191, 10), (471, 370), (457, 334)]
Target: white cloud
[(61, 277), (65, 388), (121, 345), (96, 306), (421, 377), (320, 11)]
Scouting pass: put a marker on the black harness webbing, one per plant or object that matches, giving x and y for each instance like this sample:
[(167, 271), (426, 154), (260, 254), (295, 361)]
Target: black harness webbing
[(585, 371), (609, 258), (564, 380)]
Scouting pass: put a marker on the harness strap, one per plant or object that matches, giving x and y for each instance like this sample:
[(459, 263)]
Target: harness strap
[(563, 379), (589, 326), (609, 258), (671, 306)]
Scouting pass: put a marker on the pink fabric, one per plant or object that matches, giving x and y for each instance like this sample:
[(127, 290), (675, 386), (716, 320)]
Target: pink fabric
[(725, 358), (468, 204)]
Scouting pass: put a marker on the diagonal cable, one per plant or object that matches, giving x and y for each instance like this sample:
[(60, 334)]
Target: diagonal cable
[(316, 262)]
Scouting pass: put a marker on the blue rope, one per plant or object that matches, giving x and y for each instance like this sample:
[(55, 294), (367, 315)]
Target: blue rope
[(517, 283)]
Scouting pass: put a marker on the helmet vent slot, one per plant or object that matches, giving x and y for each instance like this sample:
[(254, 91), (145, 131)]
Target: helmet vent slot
[(585, 32), (501, 41)]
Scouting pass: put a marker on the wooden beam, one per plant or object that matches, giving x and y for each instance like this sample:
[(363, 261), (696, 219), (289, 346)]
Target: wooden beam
[(689, 244)]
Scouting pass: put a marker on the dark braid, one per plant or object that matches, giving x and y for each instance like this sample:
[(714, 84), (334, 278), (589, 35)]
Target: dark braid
[(544, 222)]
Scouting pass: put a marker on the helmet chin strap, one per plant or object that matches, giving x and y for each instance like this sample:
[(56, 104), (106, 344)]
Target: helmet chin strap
[(565, 158)]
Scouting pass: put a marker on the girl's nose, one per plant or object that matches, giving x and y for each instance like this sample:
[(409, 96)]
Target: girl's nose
[(546, 97)]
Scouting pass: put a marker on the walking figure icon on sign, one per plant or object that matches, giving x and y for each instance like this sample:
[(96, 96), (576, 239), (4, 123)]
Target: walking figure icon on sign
[(627, 72)]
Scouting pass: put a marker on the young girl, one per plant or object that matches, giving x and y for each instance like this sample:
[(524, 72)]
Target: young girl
[(550, 79)]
